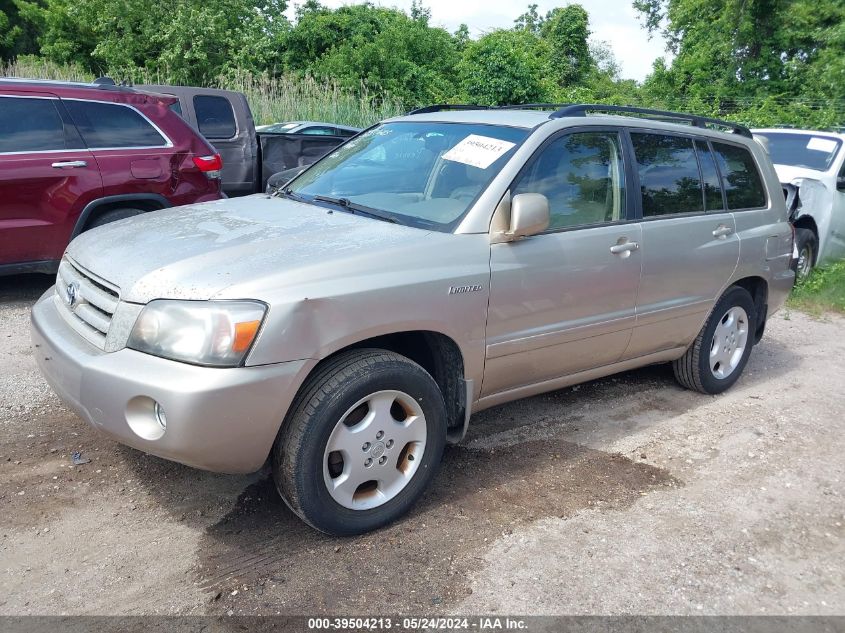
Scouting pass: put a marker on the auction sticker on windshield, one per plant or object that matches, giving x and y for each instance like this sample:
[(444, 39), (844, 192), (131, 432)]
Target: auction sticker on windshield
[(821, 144), (478, 151)]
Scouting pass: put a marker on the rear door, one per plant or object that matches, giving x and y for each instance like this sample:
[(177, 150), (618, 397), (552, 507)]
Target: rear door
[(133, 154), (564, 301), (47, 176), (690, 246)]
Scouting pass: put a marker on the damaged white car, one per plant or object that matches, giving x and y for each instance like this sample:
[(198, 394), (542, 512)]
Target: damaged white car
[(811, 167)]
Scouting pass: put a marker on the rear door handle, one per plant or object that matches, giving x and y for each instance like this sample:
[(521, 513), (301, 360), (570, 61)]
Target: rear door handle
[(625, 247), (69, 164), (722, 231)]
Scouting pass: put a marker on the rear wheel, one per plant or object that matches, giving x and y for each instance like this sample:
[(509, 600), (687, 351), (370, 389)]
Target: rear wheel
[(362, 442), (807, 245), (720, 352)]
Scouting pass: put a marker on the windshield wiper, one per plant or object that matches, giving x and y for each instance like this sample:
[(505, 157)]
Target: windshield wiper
[(346, 203)]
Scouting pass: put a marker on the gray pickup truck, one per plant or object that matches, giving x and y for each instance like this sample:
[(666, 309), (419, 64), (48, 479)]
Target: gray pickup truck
[(437, 264), (250, 158)]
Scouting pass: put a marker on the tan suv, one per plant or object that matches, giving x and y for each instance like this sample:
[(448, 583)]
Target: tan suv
[(437, 264)]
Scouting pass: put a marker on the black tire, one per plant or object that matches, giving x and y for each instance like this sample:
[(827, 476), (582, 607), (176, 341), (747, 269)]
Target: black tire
[(113, 215), (299, 451), (693, 369), (808, 251)]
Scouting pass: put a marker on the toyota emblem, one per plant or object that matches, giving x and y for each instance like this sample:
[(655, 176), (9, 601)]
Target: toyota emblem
[(72, 294)]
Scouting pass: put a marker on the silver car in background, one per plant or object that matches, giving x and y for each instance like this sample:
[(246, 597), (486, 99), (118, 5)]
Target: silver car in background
[(438, 264)]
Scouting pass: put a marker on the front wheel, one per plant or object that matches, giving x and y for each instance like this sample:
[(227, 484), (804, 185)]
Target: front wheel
[(720, 352), (807, 245), (362, 442)]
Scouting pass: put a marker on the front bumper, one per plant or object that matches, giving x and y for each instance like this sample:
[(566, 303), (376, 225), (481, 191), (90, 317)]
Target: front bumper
[(224, 420)]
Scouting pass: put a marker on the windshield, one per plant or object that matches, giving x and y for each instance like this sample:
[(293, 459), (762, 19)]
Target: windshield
[(418, 173), (802, 150)]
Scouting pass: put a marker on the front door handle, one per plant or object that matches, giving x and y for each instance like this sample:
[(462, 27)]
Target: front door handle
[(624, 247), (722, 231), (69, 164)]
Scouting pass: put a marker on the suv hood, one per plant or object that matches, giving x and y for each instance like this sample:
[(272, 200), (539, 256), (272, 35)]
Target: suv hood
[(197, 251), (790, 173)]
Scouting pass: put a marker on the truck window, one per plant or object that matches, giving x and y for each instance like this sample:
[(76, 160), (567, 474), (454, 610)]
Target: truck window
[(582, 176), (215, 117), (670, 182), (107, 125), (30, 125), (740, 178)]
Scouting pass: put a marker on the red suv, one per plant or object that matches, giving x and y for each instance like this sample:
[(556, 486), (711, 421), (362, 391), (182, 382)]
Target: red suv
[(75, 156)]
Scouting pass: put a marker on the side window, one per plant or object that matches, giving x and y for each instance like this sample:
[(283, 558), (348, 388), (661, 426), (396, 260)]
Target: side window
[(669, 179), (110, 125), (345, 133), (319, 131), (31, 125), (712, 185), (582, 176), (176, 107), (740, 178), (215, 117)]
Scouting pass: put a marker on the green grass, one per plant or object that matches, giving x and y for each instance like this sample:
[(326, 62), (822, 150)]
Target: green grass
[(823, 291), (271, 99)]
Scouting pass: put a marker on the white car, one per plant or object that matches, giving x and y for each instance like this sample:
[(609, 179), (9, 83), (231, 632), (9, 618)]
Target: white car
[(811, 167)]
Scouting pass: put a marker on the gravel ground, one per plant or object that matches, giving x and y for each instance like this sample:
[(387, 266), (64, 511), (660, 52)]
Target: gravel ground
[(624, 495)]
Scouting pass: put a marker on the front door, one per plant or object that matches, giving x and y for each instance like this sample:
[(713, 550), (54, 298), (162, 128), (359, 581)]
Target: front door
[(564, 301), (46, 178)]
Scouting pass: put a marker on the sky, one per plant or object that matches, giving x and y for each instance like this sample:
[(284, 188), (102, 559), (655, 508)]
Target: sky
[(612, 21)]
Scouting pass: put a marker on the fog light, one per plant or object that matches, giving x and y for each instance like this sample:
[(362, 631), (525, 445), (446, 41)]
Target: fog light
[(158, 410), (146, 418)]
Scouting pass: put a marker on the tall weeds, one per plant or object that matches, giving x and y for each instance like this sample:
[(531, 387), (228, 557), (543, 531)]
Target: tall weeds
[(272, 99)]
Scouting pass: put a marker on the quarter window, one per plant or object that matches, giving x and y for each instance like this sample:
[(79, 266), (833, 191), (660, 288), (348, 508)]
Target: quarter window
[(31, 125), (582, 176), (110, 125), (740, 178), (215, 117), (712, 185), (669, 178)]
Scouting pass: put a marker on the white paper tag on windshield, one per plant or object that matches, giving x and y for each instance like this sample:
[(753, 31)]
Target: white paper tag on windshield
[(478, 151), (821, 144)]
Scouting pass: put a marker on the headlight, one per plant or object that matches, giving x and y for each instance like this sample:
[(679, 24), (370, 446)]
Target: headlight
[(217, 333)]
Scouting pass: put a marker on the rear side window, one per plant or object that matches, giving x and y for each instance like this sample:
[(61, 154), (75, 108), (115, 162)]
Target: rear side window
[(669, 178), (31, 125), (712, 185), (215, 117), (111, 125), (740, 178), (319, 131), (582, 176)]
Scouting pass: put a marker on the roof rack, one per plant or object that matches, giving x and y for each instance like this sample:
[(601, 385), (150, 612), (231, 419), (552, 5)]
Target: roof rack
[(693, 119), (449, 106)]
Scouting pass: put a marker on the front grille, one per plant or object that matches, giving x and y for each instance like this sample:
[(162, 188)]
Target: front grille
[(87, 302)]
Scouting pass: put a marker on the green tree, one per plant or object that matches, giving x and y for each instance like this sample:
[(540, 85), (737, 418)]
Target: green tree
[(505, 67), (190, 41), (387, 49), (730, 50), (18, 34), (566, 29)]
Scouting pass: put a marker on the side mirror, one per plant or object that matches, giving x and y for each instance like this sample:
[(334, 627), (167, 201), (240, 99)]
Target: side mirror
[(840, 183), (529, 215)]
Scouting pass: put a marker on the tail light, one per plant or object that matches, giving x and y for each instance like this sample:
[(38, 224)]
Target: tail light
[(209, 165)]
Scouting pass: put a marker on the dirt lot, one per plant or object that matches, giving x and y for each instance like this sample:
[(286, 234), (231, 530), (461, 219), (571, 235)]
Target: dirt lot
[(625, 495)]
